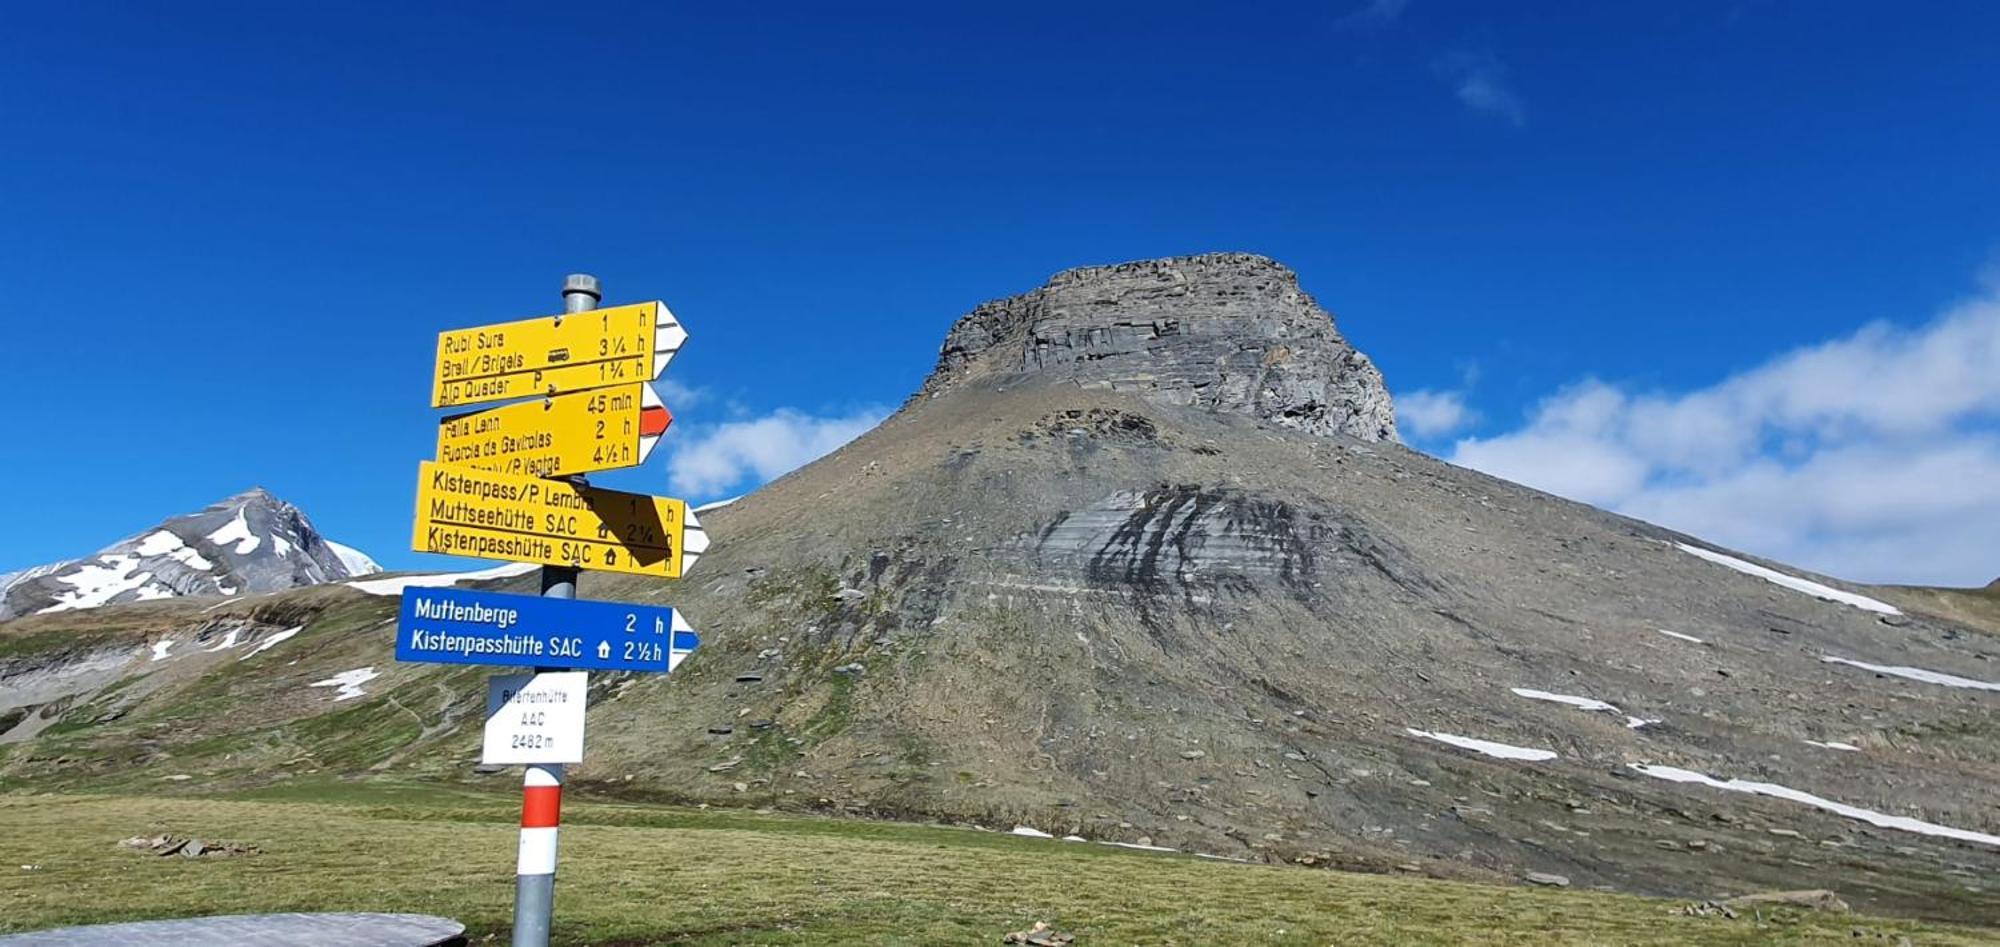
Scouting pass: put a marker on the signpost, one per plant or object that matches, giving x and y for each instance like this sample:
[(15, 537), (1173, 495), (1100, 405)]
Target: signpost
[(466, 626), (575, 433), (465, 512), (490, 494), (535, 718), (553, 354)]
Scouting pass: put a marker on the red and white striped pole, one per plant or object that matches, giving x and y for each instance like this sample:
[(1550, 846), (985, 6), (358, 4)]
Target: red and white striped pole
[(535, 868), (541, 788)]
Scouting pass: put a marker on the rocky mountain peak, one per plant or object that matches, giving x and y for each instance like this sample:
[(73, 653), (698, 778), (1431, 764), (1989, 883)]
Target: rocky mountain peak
[(250, 542), (1218, 331)]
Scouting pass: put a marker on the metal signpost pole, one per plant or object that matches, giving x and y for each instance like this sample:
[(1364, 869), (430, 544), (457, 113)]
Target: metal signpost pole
[(541, 790)]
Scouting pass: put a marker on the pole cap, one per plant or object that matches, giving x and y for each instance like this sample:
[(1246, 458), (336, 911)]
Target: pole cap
[(582, 283)]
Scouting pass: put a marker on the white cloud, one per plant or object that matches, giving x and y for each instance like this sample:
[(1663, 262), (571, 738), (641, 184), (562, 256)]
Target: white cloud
[(1873, 457), (1480, 82), (716, 458), (679, 397), (1432, 413)]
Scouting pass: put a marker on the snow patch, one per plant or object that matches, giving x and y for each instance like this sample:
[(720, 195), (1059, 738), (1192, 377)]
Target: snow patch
[(1143, 848), (188, 557), (1834, 746), (228, 640), (158, 543), (1792, 582), (160, 649), (349, 683), (1918, 674), (236, 531), (282, 545), (1585, 703), (1030, 832), (354, 560), (1487, 747), (1676, 634), (12, 579), (98, 582), (163, 543), (1903, 823), (719, 504), (271, 642), (396, 585)]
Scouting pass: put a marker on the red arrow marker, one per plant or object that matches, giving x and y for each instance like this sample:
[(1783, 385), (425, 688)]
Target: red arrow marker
[(653, 420)]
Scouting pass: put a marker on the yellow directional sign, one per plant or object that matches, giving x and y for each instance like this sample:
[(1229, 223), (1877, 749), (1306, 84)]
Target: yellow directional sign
[(575, 433), (552, 354), (466, 512)]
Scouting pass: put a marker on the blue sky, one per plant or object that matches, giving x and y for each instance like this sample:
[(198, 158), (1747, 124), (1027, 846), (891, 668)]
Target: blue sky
[(230, 233)]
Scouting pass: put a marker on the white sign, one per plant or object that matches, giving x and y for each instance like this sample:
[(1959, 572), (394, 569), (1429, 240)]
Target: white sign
[(535, 718)]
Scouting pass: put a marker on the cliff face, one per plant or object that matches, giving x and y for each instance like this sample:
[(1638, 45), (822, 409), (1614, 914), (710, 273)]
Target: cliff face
[(1227, 332)]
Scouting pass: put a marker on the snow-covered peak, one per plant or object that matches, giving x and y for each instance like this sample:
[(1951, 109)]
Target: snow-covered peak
[(356, 561), (250, 542)]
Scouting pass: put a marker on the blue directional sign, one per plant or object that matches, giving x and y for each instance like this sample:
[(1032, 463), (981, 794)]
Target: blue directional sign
[(463, 626)]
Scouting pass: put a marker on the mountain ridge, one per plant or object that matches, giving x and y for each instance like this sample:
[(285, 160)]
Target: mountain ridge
[(217, 550)]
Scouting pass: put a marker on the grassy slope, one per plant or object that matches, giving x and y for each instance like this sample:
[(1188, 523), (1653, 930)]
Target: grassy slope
[(651, 874), (1979, 608)]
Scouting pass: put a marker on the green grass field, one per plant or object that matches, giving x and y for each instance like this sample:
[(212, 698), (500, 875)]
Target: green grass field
[(648, 874)]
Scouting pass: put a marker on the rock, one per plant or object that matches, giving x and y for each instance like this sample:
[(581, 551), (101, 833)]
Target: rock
[(1704, 909), (1812, 899), (749, 678), (1040, 935), (850, 669), (166, 845), (1785, 833), (740, 787), (1192, 754), (1546, 879), (850, 595), (722, 731), (726, 765), (1228, 332)]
